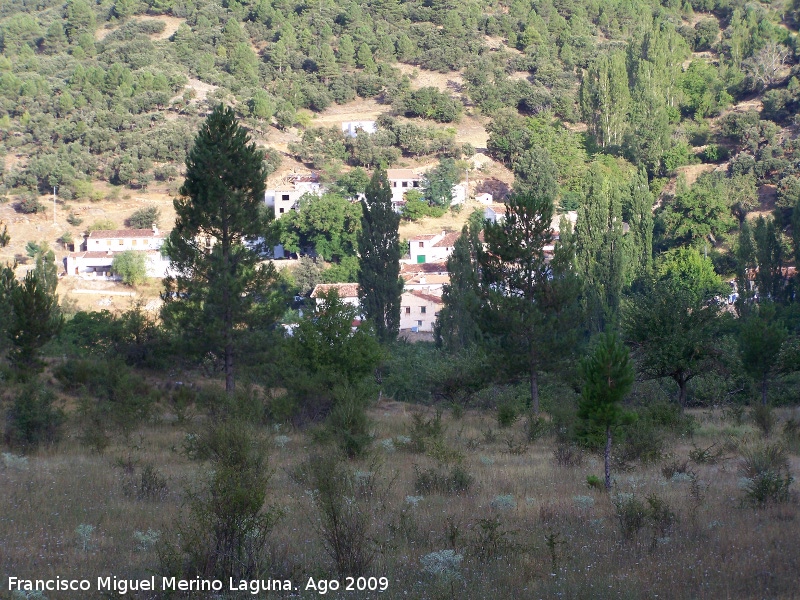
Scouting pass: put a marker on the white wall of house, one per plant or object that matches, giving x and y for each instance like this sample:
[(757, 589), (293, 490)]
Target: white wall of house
[(418, 310), (350, 128)]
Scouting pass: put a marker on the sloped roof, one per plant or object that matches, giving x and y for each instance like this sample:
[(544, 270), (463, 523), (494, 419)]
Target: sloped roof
[(401, 174), (123, 233), (428, 267), (346, 290), (448, 240), (425, 296)]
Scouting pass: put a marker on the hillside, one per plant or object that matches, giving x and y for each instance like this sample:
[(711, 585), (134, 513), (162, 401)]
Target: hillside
[(102, 100)]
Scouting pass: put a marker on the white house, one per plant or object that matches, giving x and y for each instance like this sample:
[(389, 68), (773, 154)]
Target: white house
[(485, 198), (348, 292), (351, 128), (419, 310), (432, 247), (97, 253), (285, 197), (401, 181)]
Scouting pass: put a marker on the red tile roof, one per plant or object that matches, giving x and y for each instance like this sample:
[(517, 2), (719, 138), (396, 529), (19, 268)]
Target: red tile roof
[(401, 174), (425, 296), (448, 240), (428, 267), (346, 290)]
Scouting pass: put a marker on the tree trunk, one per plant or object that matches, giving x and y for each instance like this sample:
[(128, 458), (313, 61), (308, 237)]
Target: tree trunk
[(764, 390), (229, 382), (534, 389), (607, 458), (682, 393)]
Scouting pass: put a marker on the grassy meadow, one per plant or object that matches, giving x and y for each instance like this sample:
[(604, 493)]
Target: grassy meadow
[(452, 506)]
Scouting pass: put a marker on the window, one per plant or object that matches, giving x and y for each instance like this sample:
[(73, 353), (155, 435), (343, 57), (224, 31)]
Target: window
[(108, 242), (405, 184), (394, 184), (281, 210), (133, 243), (419, 323), (285, 197), (416, 184), (422, 310), (408, 310), (422, 244)]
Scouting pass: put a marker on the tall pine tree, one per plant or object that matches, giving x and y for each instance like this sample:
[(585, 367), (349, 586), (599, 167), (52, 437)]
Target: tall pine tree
[(379, 283), (220, 283), (457, 326)]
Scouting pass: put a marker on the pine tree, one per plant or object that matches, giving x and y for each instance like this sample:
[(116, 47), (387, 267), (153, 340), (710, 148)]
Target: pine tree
[(527, 300), (379, 282), (36, 318), (608, 377), (219, 284)]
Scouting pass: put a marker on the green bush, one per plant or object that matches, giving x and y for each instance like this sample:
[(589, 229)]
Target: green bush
[(229, 524), (765, 474), (33, 419), (439, 481), (507, 414), (764, 418), (144, 218)]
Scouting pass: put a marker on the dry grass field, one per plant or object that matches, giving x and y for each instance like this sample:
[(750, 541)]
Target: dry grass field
[(527, 526)]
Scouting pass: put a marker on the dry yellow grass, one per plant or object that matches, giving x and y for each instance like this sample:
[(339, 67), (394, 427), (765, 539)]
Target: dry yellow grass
[(717, 548)]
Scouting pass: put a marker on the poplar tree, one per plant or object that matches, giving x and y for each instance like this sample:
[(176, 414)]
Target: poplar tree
[(605, 98), (601, 253), (457, 326), (379, 282), (641, 224), (220, 283)]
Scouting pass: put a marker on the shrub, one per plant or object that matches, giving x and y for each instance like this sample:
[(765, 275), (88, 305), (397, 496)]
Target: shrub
[(29, 204), (439, 481), (507, 414), (349, 424), (144, 218), (595, 483), (32, 419), (765, 473), (227, 530), (763, 418), (74, 219), (535, 427), (102, 225), (424, 431), (568, 455), (346, 503), (631, 513)]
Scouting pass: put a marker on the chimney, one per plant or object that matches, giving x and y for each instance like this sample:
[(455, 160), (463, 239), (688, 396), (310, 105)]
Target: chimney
[(155, 229)]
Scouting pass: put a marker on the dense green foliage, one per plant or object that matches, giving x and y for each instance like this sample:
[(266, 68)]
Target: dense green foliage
[(131, 266)]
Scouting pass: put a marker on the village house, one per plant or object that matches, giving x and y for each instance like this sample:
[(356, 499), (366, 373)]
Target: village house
[(351, 128), (96, 253), (401, 181), (285, 197), (419, 310), (348, 293), (432, 247)]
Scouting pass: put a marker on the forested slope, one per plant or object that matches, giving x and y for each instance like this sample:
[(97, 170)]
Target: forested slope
[(103, 93)]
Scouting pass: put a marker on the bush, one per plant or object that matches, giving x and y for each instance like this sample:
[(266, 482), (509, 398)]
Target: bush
[(102, 225), (349, 424), (228, 528), (29, 204), (144, 218), (32, 419), (765, 474), (763, 418), (74, 219), (346, 502), (439, 481), (507, 414)]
